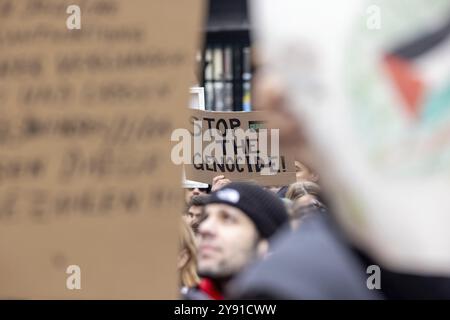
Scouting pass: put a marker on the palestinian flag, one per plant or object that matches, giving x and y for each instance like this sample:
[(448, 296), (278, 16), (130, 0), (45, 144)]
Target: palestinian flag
[(419, 67)]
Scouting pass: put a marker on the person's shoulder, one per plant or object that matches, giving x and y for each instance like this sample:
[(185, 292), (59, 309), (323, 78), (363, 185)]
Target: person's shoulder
[(313, 262)]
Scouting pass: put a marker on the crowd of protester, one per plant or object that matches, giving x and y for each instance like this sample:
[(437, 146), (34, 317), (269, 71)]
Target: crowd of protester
[(231, 228), (244, 241)]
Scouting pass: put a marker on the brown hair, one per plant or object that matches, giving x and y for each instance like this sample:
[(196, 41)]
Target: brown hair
[(299, 189), (188, 272)]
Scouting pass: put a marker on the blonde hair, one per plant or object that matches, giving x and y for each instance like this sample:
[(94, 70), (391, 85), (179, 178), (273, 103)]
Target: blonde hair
[(188, 272)]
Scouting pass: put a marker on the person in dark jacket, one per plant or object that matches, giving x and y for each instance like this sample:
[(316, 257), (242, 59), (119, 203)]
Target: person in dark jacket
[(318, 262)]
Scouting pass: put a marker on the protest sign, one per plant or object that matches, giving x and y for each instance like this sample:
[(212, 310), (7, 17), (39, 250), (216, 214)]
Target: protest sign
[(89, 199), (235, 161)]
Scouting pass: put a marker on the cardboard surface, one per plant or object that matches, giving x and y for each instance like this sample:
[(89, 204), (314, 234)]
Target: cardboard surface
[(85, 171)]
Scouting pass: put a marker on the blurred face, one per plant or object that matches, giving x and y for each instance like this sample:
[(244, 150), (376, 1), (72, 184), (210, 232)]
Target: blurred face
[(305, 201), (228, 241), (190, 192), (302, 173), (193, 215), (305, 205)]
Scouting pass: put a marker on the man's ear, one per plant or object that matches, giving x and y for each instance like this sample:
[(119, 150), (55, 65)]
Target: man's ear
[(263, 248)]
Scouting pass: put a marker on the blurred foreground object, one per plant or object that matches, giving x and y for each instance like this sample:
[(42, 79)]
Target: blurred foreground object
[(86, 117), (375, 108)]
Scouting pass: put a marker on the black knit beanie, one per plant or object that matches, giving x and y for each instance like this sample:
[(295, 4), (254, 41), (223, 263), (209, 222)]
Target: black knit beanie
[(263, 207)]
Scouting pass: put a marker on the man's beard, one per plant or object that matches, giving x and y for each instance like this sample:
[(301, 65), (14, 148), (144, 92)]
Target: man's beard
[(220, 274), (223, 273), (220, 281)]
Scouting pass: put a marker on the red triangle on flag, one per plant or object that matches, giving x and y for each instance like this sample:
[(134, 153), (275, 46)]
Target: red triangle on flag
[(408, 83)]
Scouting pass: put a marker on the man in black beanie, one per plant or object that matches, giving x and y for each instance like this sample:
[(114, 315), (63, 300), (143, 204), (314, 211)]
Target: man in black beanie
[(239, 220)]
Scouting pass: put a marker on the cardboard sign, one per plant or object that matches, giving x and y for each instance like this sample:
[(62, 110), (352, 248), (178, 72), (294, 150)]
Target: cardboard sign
[(206, 170), (89, 199)]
